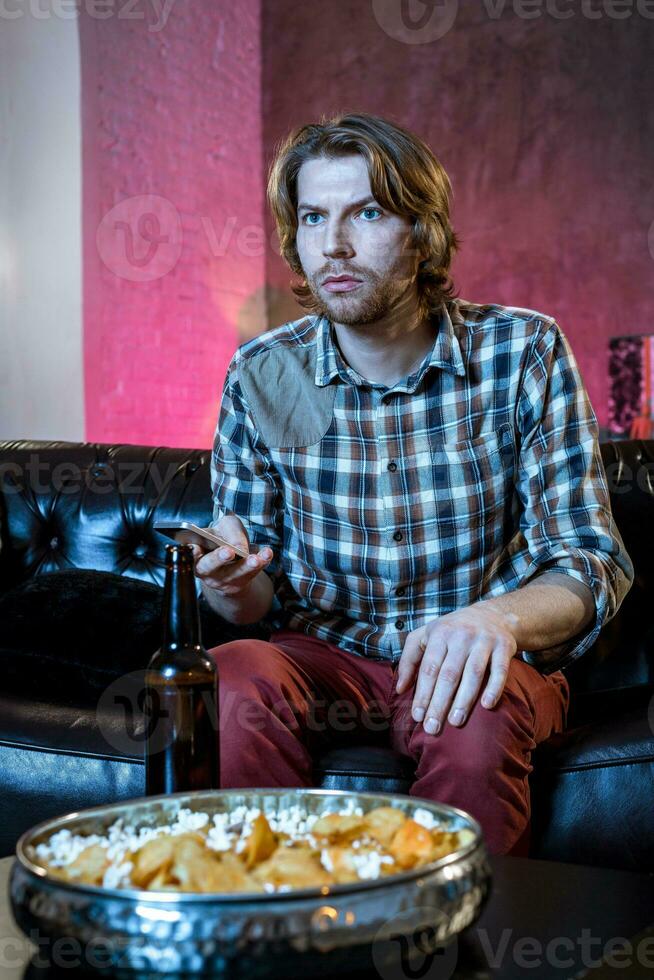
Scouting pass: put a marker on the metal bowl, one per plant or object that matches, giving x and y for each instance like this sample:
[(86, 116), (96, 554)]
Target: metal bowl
[(316, 931)]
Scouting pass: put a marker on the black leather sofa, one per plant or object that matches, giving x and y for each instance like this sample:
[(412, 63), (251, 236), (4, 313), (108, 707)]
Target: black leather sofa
[(80, 599)]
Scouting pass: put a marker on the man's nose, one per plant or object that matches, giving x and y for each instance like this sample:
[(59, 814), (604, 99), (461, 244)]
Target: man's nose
[(336, 240)]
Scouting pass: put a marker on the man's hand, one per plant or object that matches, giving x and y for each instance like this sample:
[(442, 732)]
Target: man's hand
[(453, 654), (217, 571)]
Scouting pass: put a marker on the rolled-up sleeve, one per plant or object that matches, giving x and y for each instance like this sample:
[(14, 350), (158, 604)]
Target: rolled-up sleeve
[(566, 512), (243, 482)]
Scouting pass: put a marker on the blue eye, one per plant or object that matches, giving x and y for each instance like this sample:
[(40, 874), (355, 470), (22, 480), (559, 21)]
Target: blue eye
[(371, 209), (314, 214)]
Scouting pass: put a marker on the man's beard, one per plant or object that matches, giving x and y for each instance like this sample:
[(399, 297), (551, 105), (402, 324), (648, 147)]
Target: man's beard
[(353, 309)]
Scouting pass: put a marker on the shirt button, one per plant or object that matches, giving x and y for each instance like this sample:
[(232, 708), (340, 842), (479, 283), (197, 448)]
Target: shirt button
[(400, 590), (397, 536), (392, 466), (399, 624)]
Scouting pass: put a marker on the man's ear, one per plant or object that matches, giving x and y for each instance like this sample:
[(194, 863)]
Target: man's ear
[(422, 254)]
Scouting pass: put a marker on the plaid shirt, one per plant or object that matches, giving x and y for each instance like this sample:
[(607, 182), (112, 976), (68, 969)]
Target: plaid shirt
[(460, 482)]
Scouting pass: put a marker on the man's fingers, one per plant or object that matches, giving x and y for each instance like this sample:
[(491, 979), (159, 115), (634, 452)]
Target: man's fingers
[(256, 561), (447, 683), (412, 653), (219, 566), (471, 681), (430, 667), (210, 561), (222, 560), (500, 663)]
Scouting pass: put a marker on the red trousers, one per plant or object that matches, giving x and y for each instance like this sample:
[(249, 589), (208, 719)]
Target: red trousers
[(282, 700)]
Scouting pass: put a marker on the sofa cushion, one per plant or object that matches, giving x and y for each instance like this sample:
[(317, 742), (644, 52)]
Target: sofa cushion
[(55, 758), (592, 793), (364, 768), (72, 632)]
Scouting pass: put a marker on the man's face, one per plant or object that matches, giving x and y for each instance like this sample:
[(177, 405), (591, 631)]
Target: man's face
[(343, 230)]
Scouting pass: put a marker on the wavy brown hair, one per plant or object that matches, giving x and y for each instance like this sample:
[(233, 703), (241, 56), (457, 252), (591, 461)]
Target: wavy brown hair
[(405, 178)]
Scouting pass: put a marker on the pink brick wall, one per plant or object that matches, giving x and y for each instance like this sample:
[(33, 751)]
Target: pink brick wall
[(544, 125), (172, 200)]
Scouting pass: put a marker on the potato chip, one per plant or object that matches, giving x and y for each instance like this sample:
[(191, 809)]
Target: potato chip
[(411, 843), (260, 844), (160, 880), (189, 864), (294, 867), (151, 860), (444, 843), (383, 822), (341, 862), (89, 866), (338, 826), (229, 875)]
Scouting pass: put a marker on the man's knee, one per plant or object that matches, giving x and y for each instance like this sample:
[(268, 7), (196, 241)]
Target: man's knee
[(258, 686), (485, 743), (244, 660)]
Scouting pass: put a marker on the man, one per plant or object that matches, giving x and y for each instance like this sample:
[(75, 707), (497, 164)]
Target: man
[(421, 478)]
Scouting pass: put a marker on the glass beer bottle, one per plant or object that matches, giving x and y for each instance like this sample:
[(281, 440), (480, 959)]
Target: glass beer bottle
[(181, 696)]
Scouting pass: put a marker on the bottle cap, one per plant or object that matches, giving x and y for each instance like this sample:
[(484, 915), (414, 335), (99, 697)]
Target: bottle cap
[(179, 554)]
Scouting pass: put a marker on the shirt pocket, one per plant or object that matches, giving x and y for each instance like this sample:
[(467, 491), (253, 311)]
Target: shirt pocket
[(472, 482)]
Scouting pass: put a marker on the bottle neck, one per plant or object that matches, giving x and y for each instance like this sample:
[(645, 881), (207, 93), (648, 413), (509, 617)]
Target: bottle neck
[(181, 617)]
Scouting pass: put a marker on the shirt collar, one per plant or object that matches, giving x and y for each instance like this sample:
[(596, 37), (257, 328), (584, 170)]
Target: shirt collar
[(329, 363), (445, 353)]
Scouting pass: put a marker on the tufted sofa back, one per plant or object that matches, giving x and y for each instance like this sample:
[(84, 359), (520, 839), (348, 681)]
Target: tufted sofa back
[(89, 505)]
